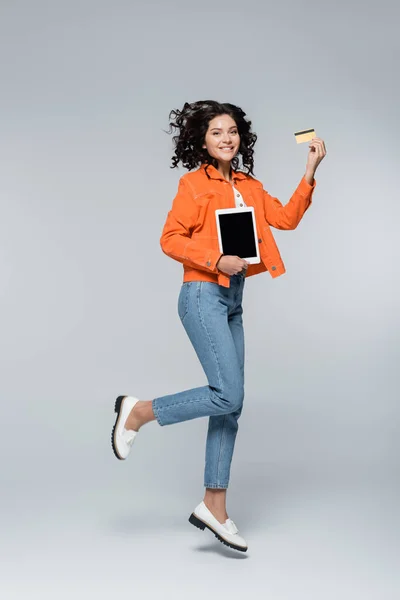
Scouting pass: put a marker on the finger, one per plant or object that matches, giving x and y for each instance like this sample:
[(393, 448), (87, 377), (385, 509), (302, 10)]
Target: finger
[(315, 147), (318, 144)]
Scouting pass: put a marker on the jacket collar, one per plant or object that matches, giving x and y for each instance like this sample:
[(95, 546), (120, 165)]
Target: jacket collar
[(213, 173)]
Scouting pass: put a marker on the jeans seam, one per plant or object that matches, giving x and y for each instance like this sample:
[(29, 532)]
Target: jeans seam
[(216, 486), (161, 408), (208, 335), (220, 447), (156, 412)]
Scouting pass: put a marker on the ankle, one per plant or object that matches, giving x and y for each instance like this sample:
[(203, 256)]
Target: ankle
[(218, 511), (216, 504), (215, 495), (143, 412)]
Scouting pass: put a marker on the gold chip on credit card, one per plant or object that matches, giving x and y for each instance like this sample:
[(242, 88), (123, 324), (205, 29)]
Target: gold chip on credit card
[(304, 136)]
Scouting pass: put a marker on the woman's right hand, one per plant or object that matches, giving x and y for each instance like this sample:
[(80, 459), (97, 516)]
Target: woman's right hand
[(231, 265)]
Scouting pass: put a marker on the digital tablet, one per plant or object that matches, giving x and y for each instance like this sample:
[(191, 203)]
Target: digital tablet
[(237, 233)]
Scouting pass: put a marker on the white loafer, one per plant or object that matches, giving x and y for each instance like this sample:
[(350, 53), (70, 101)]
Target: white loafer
[(121, 438), (227, 533)]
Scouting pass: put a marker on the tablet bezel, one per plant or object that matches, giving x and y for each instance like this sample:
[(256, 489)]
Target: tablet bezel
[(252, 260)]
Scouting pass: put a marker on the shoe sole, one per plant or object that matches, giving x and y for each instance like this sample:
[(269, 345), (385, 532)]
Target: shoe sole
[(201, 525), (117, 409)]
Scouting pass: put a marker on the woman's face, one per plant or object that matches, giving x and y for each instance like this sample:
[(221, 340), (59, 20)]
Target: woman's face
[(222, 139)]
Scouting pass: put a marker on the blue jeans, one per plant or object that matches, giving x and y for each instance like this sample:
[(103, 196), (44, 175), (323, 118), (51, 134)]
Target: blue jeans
[(212, 317)]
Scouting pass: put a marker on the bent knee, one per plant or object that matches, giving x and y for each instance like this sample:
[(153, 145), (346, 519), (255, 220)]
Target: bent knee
[(233, 400)]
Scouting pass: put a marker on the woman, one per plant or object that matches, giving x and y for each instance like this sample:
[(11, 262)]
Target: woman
[(216, 138)]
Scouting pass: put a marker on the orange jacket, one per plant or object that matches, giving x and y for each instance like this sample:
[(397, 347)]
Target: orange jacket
[(190, 231)]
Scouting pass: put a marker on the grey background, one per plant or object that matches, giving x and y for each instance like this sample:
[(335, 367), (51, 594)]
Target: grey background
[(88, 301)]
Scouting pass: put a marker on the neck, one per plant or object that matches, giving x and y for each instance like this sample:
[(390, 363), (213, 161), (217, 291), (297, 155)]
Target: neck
[(225, 170)]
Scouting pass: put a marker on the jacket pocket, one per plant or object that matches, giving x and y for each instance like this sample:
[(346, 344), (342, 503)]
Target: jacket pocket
[(204, 198)]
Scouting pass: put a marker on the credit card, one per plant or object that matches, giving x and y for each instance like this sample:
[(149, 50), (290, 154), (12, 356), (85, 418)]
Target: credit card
[(304, 136)]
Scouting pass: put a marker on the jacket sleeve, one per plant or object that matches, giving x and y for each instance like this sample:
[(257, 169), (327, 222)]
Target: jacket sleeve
[(176, 239), (288, 216)]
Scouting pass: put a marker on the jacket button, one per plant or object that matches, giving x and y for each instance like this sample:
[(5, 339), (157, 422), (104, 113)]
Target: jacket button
[(273, 268), (259, 240), (208, 263)]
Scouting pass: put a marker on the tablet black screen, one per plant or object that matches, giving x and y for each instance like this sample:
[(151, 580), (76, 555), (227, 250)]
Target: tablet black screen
[(237, 234)]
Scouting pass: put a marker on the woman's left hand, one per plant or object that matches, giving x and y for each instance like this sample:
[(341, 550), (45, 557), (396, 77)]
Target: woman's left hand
[(316, 153)]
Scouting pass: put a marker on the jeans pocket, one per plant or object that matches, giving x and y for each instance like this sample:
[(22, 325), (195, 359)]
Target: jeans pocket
[(183, 300)]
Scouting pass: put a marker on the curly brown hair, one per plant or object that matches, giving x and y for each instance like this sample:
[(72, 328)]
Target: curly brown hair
[(190, 126)]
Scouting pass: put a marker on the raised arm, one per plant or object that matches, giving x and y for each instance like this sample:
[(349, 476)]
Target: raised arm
[(288, 216)]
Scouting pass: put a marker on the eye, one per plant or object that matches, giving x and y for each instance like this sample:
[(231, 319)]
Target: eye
[(216, 133)]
